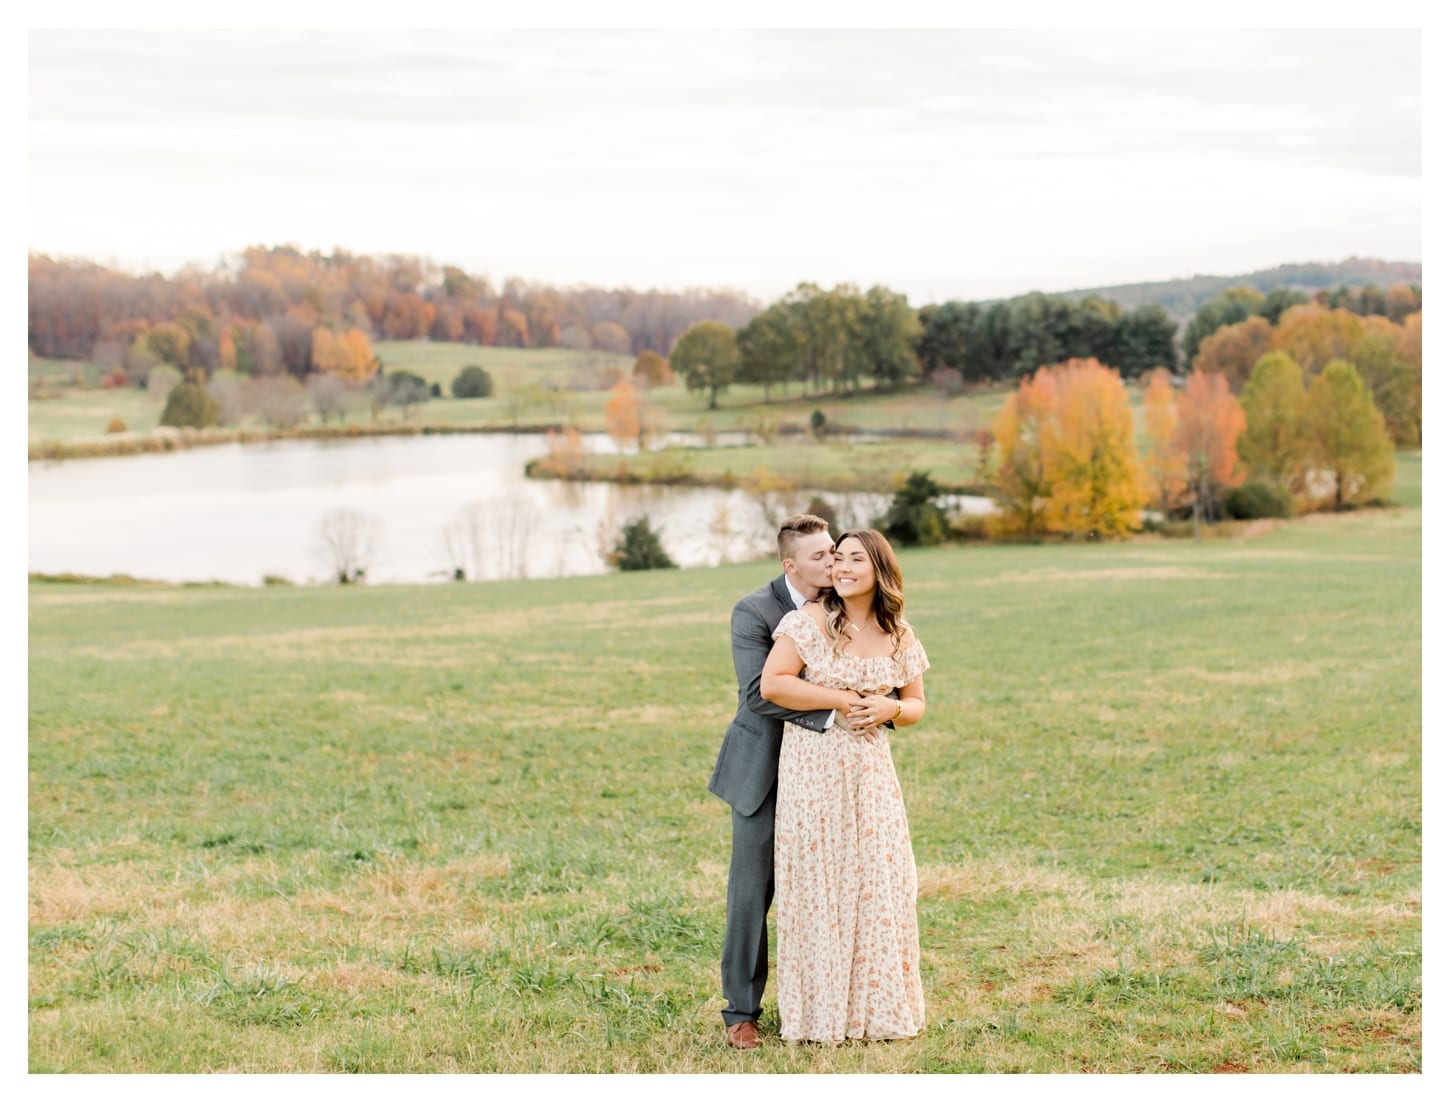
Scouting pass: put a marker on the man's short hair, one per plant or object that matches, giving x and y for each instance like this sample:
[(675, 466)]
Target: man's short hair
[(793, 529)]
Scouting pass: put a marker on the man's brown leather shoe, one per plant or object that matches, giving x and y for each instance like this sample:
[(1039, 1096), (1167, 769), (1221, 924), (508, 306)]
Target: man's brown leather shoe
[(743, 1035)]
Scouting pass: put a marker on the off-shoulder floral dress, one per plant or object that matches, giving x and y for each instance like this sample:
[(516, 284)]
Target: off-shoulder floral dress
[(847, 958)]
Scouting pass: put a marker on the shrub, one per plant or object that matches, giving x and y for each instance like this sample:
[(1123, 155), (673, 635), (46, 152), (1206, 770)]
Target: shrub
[(189, 406), (914, 517), (970, 527), (116, 425), (818, 422), (1254, 500), (275, 579), (404, 389), (670, 465), (639, 548), (472, 382)]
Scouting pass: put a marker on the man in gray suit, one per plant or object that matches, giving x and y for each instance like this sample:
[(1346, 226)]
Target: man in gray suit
[(745, 771)]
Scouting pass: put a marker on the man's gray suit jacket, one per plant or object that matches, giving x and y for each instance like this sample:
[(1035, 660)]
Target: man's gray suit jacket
[(750, 755)]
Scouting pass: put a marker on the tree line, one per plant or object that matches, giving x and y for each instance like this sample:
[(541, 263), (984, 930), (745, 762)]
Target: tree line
[(834, 340), (268, 302), (280, 312), (1067, 460)]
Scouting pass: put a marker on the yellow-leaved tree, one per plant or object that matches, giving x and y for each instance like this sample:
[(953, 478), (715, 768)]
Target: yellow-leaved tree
[(1273, 445), (1089, 454), (1347, 437), (1314, 336)]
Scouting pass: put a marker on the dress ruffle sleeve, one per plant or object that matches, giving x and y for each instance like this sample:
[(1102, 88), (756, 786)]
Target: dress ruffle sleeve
[(912, 663), (805, 633)]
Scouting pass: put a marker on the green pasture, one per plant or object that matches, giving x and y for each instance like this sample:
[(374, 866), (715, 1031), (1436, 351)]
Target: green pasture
[(532, 387), (1165, 802), (525, 382), (830, 463)]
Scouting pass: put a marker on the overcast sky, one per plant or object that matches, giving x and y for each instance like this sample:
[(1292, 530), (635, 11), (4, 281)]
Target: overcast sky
[(966, 164)]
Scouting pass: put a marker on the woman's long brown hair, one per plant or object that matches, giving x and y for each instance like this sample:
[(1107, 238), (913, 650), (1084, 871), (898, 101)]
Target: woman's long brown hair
[(887, 602)]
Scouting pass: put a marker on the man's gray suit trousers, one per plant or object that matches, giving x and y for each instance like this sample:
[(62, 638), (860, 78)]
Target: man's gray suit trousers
[(746, 956)]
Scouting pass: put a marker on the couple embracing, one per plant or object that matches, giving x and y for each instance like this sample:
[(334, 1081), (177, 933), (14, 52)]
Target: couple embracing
[(826, 664)]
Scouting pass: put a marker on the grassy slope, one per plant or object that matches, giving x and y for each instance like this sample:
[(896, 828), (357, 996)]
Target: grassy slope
[(1166, 809), (527, 374)]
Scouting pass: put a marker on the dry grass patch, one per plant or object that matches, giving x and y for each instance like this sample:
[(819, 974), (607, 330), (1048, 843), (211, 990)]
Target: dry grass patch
[(412, 892), (1279, 673), (1053, 575), (353, 978), (980, 880), (64, 893)]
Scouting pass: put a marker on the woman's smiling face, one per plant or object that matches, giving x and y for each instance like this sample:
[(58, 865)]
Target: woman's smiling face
[(851, 570)]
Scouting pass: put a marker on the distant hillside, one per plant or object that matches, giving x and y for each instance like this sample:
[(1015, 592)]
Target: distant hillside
[(1183, 297)]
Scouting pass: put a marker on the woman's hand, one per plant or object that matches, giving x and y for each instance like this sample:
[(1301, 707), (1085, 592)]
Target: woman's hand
[(870, 712)]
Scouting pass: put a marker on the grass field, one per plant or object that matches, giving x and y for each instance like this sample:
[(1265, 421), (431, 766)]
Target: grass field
[(1165, 803), (834, 463)]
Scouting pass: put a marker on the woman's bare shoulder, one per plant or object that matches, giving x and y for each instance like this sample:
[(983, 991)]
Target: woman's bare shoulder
[(816, 611)]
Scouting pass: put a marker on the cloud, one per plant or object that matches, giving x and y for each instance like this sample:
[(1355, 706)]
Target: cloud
[(555, 148)]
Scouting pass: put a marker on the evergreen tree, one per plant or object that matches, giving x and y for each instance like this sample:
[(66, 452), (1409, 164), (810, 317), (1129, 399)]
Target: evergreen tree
[(639, 548), (190, 406)]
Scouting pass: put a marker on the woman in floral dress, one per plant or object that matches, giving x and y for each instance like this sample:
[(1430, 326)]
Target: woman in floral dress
[(848, 961)]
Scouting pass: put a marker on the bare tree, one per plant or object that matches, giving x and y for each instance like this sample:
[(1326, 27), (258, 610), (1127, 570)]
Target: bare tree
[(227, 390), (464, 541), (279, 401), (331, 396), (511, 528), (349, 540), (607, 531), (722, 530)]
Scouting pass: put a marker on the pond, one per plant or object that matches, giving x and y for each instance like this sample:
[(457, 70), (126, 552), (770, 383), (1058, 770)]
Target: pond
[(424, 507)]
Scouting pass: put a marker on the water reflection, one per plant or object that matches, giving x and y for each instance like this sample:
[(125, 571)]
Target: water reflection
[(433, 505)]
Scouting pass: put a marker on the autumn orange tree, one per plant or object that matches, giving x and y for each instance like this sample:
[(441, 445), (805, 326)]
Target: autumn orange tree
[(1022, 484), (565, 456), (1272, 445), (1210, 420), (1165, 467), (622, 414), (349, 355), (1346, 436), (1093, 472), (1233, 350)]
